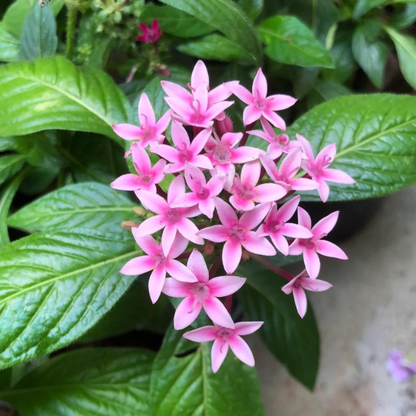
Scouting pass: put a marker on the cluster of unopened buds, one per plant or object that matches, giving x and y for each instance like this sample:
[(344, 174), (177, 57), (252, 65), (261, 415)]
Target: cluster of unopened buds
[(223, 192)]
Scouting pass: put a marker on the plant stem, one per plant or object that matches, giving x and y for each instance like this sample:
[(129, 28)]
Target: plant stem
[(243, 141), (70, 30), (214, 267), (229, 303), (272, 267)]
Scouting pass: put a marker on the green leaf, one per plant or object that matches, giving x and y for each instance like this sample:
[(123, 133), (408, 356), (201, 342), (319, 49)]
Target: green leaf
[(406, 51), (404, 18), (225, 16), (9, 165), (185, 385), (215, 47), (375, 137), (175, 22), (87, 382), (371, 56), (289, 41), (292, 340), (9, 46), (15, 15), (86, 205), (364, 6), (39, 180), (252, 8), (54, 286), (55, 94), (38, 39), (325, 91)]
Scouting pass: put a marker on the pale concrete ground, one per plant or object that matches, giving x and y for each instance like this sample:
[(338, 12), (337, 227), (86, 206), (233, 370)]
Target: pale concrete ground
[(370, 310)]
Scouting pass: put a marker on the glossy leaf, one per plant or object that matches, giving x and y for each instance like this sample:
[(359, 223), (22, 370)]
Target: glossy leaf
[(406, 51), (175, 22), (86, 205), (292, 340), (325, 91), (9, 165), (215, 47), (364, 6), (404, 18), (38, 39), (370, 55), (9, 46), (55, 94), (252, 8), (102, 381), (289, 41), (182, 382), (54, 286), (375, 137), (225, 16)]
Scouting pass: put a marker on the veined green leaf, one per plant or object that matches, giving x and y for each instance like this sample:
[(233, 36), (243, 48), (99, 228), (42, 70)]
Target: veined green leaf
[(55, 286), (364, 6), (9, 165), (252, 8), (87, 382), (55, 94), (375, 137), (9, 46)]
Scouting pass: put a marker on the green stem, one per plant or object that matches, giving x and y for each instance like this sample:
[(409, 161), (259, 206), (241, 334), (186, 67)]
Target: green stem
[(70, 29)]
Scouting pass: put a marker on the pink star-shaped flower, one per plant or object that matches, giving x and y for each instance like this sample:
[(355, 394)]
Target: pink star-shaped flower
[(298, 285), (400, 368), (224, 338), (279, 143), (202, 294), (259, 105), (276, 227), (285, 175), (172, 220), (184, 151), (311, 247), (150, 132), (246, 192), (151, 33), (159, 263), (147, 176), (237, 234), (318, 168), (203, 193)]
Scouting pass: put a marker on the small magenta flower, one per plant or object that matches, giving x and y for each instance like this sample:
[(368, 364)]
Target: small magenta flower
[(237, 234), (150, 34), (318, 168), (400, 368), (279, 143), (311, 247), (259, 105), (246, 192), (147, 176), (276, 227), (203, 193), (184, 151), (285, 175), (172, 220), (150, 132), (298, 285), (202, 294), (224, 338), (159, 263)]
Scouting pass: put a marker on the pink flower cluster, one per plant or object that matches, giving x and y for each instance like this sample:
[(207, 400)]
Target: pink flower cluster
[(223, 192)]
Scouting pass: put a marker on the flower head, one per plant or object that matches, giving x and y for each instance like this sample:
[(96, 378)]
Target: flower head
[(151, 33), (400, 368), (224, 338), (202, 294), (311, 247), (259, 105), (298, 285)]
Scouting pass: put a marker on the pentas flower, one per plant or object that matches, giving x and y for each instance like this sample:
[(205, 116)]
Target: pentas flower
[(246, 192), (159, 263), (318, 168), (202, 294), (236, 233), (279, 143), (298, 285), (185, 151), (147, 176), (172, 220), (311, 247), (224, 338), (203, 193), (259, 105), (400, 368), (276, 227), (151, 33), (285, 175), (150, 132)]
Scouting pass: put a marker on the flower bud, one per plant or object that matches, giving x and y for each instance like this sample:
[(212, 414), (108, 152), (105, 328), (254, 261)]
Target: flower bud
[(224, 126), (128, 225)]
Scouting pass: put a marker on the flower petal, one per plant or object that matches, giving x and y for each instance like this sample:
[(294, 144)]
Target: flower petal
[(186, 313), (147, 243), (138, 266), (242, 93), (156, 282), (200, 140), (259, 85), (189, 230), (328, 249), (301, 301), (253, 218), (280, 102), (325, 225), (197, 265), (226, 213), (153, 202), (176, 289), (176, 91), (250, 174), (245, 154), (258, 245), (199, 76), (168, 237), (241, 350), (269, 192), (315, 285), (204, 334), (337, 176), (179, 271), (218, 353), (304, 219), (306, 147), (295, 231), (218, 313), (246, 328), (280, 243), (215, 233), (225, 285), (179, 246), (127, 182), (145, 111), (150, 226), (251, 114), (270, 167), (312, 263), (127, 131), (231, 255), (323, 190), (275, 119)]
